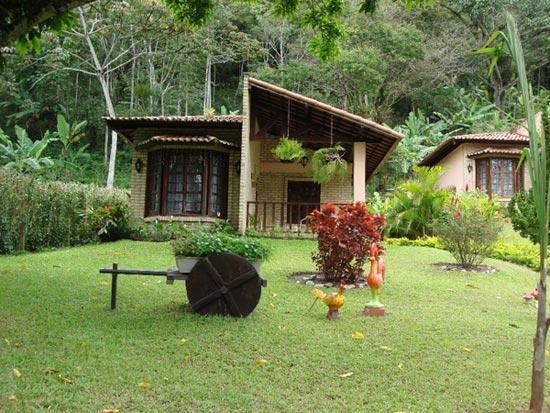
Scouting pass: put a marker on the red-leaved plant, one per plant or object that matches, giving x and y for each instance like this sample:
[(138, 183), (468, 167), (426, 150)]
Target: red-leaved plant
[(344, 235)]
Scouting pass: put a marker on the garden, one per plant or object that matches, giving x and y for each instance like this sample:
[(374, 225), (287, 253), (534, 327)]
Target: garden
[(418, 297)]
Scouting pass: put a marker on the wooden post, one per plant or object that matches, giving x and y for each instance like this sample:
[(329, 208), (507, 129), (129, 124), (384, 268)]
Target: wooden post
[(114, 279)]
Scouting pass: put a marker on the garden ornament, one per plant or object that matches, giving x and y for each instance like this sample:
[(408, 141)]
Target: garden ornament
[(333, 300), (375, 280)]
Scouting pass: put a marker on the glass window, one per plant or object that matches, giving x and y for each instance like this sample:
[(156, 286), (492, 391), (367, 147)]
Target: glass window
[(177, 180), (498, 176)]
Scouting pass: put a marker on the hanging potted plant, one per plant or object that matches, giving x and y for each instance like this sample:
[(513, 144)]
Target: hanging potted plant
[(328, 164), (289, 150)]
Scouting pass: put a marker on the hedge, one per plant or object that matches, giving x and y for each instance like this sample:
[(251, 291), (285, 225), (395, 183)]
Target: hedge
[(521, 253), (37, 214)]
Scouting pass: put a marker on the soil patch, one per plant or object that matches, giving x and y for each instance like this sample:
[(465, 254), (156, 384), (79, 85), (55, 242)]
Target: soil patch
[(448, 266), (317, 279)]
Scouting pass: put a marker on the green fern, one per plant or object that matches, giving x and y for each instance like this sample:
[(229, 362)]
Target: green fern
[(328, 164)]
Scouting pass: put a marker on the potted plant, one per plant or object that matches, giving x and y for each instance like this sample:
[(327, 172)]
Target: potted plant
[(198, 243), (253, 250), (194, 245), (327, 164), (289, 150)]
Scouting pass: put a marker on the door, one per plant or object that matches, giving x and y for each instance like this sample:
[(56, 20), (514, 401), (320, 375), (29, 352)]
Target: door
[(302, 197)]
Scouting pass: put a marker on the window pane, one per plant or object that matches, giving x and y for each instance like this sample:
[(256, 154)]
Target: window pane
[(502, 177)]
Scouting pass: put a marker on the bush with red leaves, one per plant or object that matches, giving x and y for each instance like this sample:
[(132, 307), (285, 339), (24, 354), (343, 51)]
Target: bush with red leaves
[(344, 236)]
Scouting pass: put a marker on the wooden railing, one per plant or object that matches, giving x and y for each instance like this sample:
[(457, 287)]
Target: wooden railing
[(265, 216)]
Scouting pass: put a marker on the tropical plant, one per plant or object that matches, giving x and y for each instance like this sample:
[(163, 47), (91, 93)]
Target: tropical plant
[(328, 164), (421, 137), (289, 150), (468, 227), (224, 111), (344, 235), (523, 214), (69, 135), (110, 221), (416, 203), (24, 155), (536, 156)]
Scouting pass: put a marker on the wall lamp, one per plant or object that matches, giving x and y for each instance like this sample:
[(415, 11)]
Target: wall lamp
[(138, 165), (469, 168)]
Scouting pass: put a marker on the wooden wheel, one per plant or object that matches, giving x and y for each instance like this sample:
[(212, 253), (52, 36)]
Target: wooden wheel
[(224, 284)]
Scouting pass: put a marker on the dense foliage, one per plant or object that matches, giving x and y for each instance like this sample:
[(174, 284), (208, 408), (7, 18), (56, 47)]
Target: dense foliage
[(416, 203), (37, 214), (469, 227), (200, 241), (521, 210), (391, 63), (110, 221), (344, 236)]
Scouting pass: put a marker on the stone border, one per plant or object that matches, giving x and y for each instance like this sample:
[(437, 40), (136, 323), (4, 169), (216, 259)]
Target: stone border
[(449, 266), (316, 279)]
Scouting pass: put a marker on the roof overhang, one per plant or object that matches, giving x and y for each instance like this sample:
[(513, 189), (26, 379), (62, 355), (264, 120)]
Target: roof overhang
[(498, 138), (512, 152), (276, 111), (207, 140), (195, 125)]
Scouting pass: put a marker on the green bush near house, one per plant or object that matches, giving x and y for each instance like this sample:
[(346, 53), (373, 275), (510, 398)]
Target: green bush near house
[(469, 227), (37, 214), (522, 213), (416, 203)]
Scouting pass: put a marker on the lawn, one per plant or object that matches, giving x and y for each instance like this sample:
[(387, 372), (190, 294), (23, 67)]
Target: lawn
[(451, 342)]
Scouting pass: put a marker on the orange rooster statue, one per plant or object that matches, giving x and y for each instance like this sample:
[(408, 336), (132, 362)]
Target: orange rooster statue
[(375, 280), (333, 300)]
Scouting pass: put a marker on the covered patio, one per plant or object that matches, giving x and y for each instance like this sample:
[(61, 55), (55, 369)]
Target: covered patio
[(278, 196)]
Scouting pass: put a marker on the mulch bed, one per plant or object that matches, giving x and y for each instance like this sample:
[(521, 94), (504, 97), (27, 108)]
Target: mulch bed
[(317, 279), (447, 266)]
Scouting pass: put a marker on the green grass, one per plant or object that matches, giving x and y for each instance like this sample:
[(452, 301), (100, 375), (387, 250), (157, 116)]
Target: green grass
[(54, 306)]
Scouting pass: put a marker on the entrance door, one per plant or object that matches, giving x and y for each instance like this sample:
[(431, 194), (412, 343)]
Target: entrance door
[(302, 197)]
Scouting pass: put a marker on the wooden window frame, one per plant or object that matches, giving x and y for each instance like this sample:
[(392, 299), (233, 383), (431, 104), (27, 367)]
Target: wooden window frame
[(206, 183), (517, 181)]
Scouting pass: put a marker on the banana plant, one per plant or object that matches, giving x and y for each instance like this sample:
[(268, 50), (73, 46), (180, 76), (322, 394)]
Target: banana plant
[(25, 155), (69, 135)]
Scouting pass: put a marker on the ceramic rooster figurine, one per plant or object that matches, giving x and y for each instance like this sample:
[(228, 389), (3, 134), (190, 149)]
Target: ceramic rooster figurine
[(375, 280), (333, 300)]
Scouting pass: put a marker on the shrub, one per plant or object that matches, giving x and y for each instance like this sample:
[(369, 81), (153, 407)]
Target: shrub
[(416, 203), (469, 227), (344, 235), (159, 231), (521, 210), (200, 241), (37, 214), (110, 221), (289, 150)]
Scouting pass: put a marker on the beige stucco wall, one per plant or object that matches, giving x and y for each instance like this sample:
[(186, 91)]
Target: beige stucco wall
[(456, 174)]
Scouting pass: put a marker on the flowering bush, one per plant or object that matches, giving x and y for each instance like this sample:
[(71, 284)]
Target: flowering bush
[(469, 227), (344, 235), (110, 221)]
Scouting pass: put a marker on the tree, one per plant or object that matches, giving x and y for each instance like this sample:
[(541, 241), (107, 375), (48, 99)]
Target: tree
[(536, 158)]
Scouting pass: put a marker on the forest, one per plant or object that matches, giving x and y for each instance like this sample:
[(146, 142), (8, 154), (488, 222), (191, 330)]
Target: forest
[(429, 72)]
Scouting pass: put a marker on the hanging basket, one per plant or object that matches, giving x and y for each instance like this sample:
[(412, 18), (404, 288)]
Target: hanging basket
[(288, 150), (328, 164)]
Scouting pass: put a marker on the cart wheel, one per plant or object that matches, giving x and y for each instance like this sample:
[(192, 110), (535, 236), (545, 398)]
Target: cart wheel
[(224, 284)]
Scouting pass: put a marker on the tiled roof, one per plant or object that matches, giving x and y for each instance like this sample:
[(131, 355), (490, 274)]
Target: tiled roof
[(496, 151), (492, 136), (446, 147), (193, 118), (186, 139)]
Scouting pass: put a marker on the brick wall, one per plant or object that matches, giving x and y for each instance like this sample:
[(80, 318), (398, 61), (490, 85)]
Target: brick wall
[(139, 184)]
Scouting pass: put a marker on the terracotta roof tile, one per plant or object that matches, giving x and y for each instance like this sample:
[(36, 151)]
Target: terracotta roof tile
[(193, 118), (186, 139), (496, 151)]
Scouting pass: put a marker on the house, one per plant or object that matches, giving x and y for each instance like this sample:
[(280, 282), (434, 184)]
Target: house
[(487, 161), (207, 168)]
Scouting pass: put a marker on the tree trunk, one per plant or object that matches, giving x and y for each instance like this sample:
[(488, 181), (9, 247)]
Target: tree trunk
[(539, 343), (207, 103)]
